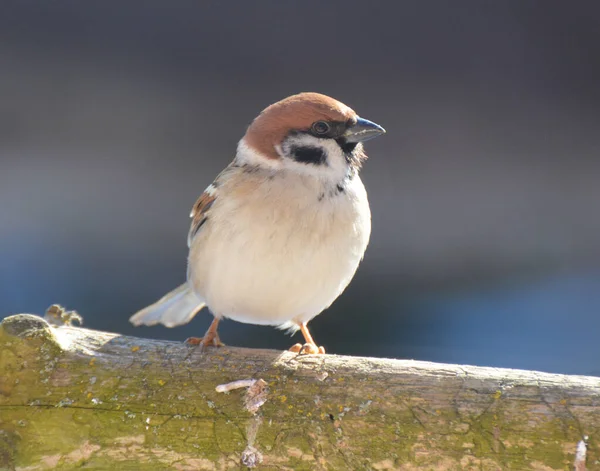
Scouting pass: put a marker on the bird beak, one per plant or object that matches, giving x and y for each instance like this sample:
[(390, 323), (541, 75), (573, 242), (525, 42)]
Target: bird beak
[(363, 130)]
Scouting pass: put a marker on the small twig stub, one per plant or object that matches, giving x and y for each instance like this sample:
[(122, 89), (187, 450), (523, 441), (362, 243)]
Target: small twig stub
[(251, 457), (256, 394), (58, 316), (241, 383), (580, 455)]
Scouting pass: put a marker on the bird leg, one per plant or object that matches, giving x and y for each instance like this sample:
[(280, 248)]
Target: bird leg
[(310, 346), (211, 337)]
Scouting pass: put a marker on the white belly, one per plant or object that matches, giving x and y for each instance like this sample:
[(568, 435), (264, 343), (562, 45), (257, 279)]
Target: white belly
[(279, 257)]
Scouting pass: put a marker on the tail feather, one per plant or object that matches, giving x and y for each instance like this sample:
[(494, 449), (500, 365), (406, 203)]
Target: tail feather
[(173, 309)]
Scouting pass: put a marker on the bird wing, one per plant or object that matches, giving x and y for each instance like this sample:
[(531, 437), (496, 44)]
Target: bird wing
[(201, 209), (199, 213)]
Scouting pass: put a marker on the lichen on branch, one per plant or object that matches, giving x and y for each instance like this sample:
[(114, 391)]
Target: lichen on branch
[(72, 397)]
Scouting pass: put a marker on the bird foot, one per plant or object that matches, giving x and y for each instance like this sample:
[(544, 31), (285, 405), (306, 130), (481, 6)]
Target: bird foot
[(210, 339), (206, 341), (307, 348)]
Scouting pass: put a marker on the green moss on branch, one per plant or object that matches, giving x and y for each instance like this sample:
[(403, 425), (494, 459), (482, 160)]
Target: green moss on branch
[(72, 397)]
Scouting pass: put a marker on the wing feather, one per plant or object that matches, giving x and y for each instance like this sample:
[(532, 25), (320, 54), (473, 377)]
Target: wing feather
[(201, 209), (199, 213)]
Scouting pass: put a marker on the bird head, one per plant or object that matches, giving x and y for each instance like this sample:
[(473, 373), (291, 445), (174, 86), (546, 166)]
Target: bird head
[(308, 133)]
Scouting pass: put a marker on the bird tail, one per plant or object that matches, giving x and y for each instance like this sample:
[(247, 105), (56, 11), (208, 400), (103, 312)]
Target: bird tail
[(175, 308)]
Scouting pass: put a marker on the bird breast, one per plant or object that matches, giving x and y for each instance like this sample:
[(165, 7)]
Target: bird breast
[(278, 248)]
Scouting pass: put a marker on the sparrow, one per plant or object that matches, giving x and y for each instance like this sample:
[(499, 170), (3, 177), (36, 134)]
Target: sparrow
[(279, 234)]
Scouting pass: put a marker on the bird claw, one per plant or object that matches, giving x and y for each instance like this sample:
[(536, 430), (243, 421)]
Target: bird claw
[(210, 339), (307, 349), (203, 342)]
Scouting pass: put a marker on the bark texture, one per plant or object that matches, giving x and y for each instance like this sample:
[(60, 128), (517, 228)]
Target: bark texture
[(73, 398)]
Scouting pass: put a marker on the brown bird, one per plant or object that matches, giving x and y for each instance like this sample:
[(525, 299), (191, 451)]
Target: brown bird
[(279, 234)]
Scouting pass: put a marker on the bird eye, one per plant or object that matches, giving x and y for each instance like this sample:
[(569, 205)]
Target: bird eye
[(321, 127)]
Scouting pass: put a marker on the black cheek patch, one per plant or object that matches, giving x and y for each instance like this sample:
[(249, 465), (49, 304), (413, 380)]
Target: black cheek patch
[(309, 155)]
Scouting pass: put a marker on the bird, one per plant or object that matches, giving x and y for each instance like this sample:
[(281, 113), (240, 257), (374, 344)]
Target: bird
[(280, 233)]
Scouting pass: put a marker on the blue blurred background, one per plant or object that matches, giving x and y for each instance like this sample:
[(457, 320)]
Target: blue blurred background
[(114, 116)]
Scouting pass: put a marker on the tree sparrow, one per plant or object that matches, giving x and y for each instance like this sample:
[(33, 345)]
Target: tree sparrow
[(279, 234)]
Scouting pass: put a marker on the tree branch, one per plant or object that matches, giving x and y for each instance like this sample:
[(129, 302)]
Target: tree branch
[(75, 398)]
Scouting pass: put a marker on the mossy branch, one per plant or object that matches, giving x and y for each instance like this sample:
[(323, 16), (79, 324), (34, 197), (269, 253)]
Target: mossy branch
[(74, 398)]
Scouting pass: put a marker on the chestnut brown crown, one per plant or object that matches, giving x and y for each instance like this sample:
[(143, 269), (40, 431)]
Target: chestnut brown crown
[(294, 113)]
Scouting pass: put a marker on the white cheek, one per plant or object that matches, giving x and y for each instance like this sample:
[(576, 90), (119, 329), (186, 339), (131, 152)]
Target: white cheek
[(334, 169), (248, 155)]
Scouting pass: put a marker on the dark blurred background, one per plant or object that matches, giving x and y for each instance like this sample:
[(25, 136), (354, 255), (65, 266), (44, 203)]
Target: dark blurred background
[(114, 116)]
